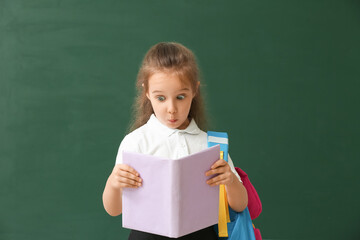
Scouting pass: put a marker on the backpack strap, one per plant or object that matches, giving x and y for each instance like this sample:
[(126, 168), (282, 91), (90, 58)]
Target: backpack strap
[(221, 138)]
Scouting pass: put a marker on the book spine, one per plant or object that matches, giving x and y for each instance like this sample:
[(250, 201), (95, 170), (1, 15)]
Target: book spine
[(175, 198)]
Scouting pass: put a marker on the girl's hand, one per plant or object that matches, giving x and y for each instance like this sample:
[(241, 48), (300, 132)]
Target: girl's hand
[(224, 174), (124, 176)]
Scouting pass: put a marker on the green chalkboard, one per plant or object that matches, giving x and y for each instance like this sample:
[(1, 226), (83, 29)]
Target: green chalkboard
[(281, 77)]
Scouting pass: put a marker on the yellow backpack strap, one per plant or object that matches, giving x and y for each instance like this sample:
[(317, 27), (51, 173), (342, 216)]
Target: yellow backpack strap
[(221, 138), (224, 216)]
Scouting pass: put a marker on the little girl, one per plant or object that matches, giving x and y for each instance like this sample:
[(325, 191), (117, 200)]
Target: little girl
[(169, 116)]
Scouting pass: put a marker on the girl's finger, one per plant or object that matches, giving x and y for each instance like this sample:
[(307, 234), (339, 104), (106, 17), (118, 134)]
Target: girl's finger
[(219, 169), (124, 185), (218, 163), (213, 181), (224, 178), (126, 181), (129, 175), (129, 169), (215, 171)]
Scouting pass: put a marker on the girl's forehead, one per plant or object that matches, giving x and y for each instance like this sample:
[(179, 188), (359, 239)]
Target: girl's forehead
[(165, 79)]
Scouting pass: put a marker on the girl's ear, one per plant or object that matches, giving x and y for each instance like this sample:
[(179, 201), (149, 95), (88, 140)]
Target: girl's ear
[(197, 88), (147, 94)]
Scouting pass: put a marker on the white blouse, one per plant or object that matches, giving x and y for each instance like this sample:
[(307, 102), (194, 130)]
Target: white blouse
[(154, 138)]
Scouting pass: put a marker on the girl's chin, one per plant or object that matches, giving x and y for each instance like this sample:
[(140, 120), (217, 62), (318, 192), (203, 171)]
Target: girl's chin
[(184, 125)]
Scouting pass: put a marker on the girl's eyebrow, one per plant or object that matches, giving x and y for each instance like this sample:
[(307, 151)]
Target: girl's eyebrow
[(184, 89), (156, 91)]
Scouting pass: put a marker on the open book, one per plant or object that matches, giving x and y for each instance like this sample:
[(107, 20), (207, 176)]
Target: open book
[(174, 199)]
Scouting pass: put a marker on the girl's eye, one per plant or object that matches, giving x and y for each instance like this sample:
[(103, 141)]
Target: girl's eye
[(180, 97), (160, 98)]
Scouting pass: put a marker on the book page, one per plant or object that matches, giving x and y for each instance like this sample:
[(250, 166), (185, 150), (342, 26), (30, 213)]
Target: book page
[(150, 203)]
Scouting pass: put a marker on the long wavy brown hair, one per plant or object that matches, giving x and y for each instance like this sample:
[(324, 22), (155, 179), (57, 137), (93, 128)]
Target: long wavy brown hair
[(169, 57)]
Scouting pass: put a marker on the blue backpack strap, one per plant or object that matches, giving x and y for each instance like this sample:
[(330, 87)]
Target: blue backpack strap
[(219, 138)]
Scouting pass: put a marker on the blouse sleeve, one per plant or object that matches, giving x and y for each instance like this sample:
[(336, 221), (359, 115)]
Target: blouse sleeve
[(128, 144), (231, 164)]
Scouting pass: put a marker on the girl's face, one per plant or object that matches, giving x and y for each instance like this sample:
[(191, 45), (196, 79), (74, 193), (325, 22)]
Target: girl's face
[(170, 99)]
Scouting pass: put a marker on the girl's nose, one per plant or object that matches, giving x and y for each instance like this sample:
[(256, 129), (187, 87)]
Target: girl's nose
[(172, 107)]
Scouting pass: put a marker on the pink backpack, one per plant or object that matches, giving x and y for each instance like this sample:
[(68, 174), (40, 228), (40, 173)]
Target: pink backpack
[(254, 203)]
